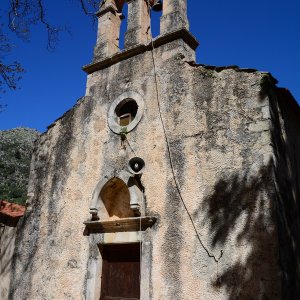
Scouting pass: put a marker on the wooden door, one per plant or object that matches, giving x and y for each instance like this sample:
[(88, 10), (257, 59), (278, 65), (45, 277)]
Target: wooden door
[(120, 272)]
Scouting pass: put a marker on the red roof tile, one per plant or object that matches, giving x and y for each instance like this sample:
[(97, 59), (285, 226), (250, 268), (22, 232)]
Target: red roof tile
[(11, 209)]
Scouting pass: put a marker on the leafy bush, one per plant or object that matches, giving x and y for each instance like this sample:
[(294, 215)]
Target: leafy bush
[(16, 148)]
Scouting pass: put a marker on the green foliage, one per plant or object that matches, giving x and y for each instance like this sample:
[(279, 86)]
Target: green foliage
[(16, 148), (123, 133)]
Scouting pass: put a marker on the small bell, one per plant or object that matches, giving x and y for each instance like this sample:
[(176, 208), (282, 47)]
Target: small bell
[(157, 5)]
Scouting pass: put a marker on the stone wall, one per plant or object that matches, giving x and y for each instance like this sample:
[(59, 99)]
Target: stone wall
[(218, 127)]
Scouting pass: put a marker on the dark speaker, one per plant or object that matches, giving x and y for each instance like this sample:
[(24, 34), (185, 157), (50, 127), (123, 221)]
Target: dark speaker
[(136, 165)]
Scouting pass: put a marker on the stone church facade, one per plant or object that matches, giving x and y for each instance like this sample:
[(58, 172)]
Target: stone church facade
[(167, 180)]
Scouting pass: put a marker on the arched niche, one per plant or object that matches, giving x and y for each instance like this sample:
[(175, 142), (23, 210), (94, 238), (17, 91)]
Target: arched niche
[(118, 197), (118, 205), (115, 197)]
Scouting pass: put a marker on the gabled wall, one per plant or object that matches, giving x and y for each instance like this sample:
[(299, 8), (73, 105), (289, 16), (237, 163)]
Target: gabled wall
[(218, 127)]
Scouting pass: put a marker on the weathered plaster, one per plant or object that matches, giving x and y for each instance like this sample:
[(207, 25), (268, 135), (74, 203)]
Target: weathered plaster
[(219, 143), (7, 247), (219, 130)]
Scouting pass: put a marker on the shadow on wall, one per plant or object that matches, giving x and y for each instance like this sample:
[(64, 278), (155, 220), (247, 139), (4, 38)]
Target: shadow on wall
[(285, 114), (239, 207)]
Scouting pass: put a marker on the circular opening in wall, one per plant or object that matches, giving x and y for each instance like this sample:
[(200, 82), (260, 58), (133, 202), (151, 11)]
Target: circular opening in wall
[(126, 111)]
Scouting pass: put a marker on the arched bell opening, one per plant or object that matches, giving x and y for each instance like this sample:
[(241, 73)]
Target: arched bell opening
[(155, 16), (123, 13), (115, 197)]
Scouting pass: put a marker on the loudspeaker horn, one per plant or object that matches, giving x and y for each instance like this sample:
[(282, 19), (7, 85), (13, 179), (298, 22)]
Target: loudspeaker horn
[(136, 166)]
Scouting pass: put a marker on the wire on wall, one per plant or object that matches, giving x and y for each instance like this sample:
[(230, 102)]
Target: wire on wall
[(169, 148)]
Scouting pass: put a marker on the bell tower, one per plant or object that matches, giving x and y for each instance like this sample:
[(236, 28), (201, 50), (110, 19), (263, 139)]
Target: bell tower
[(174, 25), (127, 85), (110, 18)]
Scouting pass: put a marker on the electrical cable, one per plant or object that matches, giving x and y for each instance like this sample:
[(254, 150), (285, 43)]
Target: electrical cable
[(130, 145), (140, 237), (141, 242), (169, 148)]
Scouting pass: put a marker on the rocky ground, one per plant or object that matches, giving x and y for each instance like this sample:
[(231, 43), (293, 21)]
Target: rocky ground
[(16, 146)]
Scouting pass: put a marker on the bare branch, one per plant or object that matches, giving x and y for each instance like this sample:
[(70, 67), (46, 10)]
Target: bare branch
[(22, 15), (94, 4), (53, 32), (9, 72)]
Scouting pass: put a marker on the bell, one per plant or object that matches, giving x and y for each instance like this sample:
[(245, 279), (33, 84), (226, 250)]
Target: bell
[(157, 5)]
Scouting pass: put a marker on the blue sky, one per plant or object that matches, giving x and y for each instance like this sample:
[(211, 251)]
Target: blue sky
[(257, 34)]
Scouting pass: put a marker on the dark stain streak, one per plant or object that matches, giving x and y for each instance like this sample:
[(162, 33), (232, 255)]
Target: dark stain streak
[(23, 257), (179, 159), (173, 241)]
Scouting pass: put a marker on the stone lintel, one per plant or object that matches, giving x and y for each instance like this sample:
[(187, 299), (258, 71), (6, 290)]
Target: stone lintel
[(121, 237), (120, 225), (183, 34)]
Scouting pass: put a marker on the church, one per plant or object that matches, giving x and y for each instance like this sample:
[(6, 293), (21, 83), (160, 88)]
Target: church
[(168, 180)]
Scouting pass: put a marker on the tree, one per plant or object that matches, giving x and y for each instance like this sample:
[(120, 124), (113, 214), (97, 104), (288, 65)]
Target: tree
[(20, 17), (9, 71)]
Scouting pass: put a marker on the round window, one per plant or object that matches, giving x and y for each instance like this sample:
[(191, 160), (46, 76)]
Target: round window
[(125, 112)]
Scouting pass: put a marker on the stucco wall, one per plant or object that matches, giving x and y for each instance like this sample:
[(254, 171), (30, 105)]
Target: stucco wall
[(219, 130), (7, 247)]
